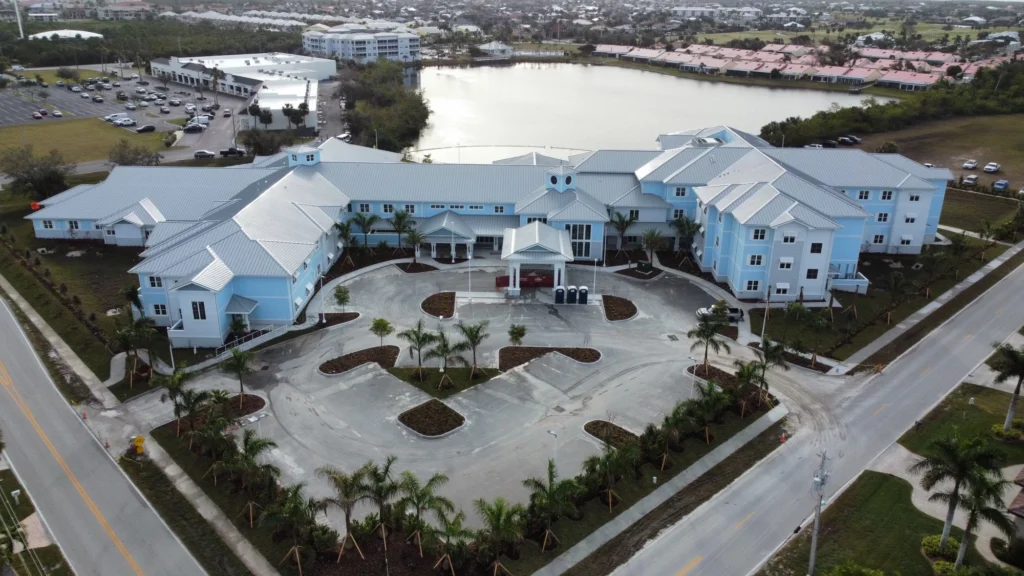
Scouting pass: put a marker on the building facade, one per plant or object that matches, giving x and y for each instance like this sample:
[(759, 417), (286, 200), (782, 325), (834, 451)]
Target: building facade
[(363, 46)]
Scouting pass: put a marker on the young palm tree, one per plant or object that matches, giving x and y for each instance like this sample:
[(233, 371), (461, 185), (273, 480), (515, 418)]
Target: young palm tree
[(1009, 363), (187, 405), (381, 489), (365, 223), (987, 233), (125, 338), (932, 263), (418, 338), (816, 324), (451, 533), (706, 335), (621, 224), (503, 524), (402, 223), (958, 460), (473, 335), (707, 406), (749, 375), (652, 240), (552, 498), (419, 498), (248, 462), (349, 490), (685, 229), (174, 382), (414, 238), (445, 351), (345, 235), (984, 503), (134, 299), (238, 365), (795, 312), (145, 333), (610, 464), (958, 247), (293, 519)]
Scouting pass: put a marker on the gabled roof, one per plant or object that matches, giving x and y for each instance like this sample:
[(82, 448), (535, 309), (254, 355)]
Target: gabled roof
[(536, 237), (446, 222), (612, 161), (568, 205), (531, 159), (845, 168)]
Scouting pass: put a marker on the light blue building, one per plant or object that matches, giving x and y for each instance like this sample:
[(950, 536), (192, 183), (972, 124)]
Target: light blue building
[(252, 241)]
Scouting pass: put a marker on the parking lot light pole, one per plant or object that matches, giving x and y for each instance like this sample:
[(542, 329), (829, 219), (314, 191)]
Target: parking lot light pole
[(555, 434), (693, 375)]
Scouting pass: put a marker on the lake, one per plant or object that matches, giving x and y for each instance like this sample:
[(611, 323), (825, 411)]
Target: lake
[(497, 112)]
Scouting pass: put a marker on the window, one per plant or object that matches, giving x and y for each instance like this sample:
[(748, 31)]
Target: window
[(878, 239), (914, 198), (634, 215), (111, 232), (580, 236), (48, 224), (705, 211), (714, 265), (677, 214), (788, 239), (295, 157), (159, 310), (72, 224), (305, 265), (812, 273), (156, 282), (499, 209), (476, 207), (437, 206), (886, 194), (199, 310), (782, 289), (910, 219), (148, 232), (364, 208), (760, 233), (716, 241), (295, 278), (815, 247), (785, 264), (905, 241), (755, 259), (388, 208), (719, 216), (680, 191), (864, 195), (753, 285), (883, 217), (541, 220), (631, 240), (457, 207), (410, 208)]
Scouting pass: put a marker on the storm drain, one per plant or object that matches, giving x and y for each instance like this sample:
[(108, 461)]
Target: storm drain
[(559, 409), (673, 337)]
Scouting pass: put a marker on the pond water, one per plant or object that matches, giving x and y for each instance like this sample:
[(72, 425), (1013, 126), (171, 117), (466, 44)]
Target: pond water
[(484, 113)]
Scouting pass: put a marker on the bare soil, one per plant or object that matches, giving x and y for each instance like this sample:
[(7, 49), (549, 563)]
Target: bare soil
[(432, 418), (443, 260), (616, 258), (510, 357), (618, 308), (250, 404), (609, 433), (440, 304), (799, 360), (719, 376), (730, 332), (634, 273), (384, 356), (335, 318), (415, 267)]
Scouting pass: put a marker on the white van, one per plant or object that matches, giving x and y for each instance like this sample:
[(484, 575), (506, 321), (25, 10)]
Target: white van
[(117, 116), (201, 120)]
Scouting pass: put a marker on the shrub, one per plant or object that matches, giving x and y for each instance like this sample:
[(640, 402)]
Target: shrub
[(1012, 434), (76, 300), (28, 254), (36, 261), (1018, 424), (92, 316), (852, 569), (930, 544), (943, 568), (63, 288), (46, 272), (1012, 553)]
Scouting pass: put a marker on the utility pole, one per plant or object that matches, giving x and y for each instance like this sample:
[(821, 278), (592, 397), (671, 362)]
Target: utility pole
[(820, 481), (17, 15)]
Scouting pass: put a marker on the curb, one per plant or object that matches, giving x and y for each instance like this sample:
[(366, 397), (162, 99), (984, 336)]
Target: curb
[(552, 351), (440, 318), (439, 436)]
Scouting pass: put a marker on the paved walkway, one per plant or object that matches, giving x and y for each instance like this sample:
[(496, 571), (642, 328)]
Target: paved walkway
[(616, 526), (969, 233), (745, 335)]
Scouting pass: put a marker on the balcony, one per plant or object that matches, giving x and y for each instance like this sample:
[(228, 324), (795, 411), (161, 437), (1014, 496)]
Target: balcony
[(176, 329)]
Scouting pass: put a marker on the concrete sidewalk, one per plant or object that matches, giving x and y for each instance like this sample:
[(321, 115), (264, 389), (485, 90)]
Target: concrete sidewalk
[(617, 525)]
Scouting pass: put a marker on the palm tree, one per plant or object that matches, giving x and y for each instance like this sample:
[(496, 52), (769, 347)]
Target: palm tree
[(365, 223), (795, 312), (349, 490), (187, 405), (748, 374), (125, 338), (503, 524), (145, 334), (958, 247), (381, 489), (445, 351), (552, 498), (134, 299), (987, 233), (611, 464), (685, 229), (293, 519), (897, 286), (215, 76), (418, 338), (452, 534), (173, 383), (402, 222), (345, 235), (652, 240), (414, 238), (984, 503), (1009, 363), (931, 261), (621, 224), (816, 324), (473, 335), (958, 460), (248, 462), (707, 406), (420, 498), (238, 365), (706, 334)]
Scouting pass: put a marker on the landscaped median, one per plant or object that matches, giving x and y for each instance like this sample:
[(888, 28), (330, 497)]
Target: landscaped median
[(37, 559)]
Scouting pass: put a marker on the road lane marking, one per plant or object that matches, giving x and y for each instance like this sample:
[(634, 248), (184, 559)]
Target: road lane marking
[(8, 384), (926, 370), (693, 564), (968, 337), (880, 408), (744, 521)]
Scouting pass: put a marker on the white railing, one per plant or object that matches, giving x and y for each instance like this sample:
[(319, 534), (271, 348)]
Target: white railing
[(247, 338)]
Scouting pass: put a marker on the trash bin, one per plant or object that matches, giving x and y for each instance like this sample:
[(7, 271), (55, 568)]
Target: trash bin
[(571, 296), (560, 295), (582, 296)]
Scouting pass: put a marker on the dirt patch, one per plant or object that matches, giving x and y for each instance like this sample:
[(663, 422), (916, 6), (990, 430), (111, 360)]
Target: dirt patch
[(415, 267), (616, 258), (618, 308), (432, 418), (730, 332), (510, 357), (441, 304), (617, 551), (609, 433), (799, 360), (688, 265), (720, 377), (231, 410), (335, 318), (635, 273), (384, 356)]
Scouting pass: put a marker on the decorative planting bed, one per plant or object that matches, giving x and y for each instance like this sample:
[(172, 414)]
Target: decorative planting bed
[(432, 418), (799, 360), (335, 318), (634, 273), (512, 356), (617, 308), (415, 267), (448, 260), (385, 356), (430, 381), (719, 376), (609, 433), (231, 411), (730, 332), (441, 304)]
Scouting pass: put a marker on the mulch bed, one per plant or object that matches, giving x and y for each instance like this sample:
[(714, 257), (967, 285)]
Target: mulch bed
[(443, 260), (634, 273), (440, 304), (335, 318), (250, 404), (617, 308), (670, 259), (385, 356), (510, 357), (415, 267), (731, 332), (616, 258), (432, 418), (610, 433), (721, 377), (799, 360)]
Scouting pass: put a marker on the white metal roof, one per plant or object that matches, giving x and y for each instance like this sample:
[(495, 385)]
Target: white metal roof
[(534, 241)]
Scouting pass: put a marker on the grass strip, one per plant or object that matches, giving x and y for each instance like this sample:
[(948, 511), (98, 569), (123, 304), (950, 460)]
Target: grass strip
[(49, 558), (191, 528)]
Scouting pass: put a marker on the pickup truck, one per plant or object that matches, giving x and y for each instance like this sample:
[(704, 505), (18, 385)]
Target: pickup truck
[(731, 314), (233, 152)]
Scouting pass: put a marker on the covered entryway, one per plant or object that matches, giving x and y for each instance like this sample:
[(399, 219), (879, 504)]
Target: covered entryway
[(532, 245), (447, 228), (242, 307)]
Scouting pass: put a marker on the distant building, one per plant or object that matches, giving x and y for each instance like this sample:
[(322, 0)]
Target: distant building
[(363, 46), (43, 17), (496, 50), (124, 11), (49, 34)]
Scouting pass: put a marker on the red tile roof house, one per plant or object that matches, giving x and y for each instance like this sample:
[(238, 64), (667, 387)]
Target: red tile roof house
[(829, 74), (806, 59), (794, 50), (773, 48), (611, 50), (910, 81), (674, 58), (707, 65), (702, 49), (642, 54), (767, 57), (797, 71), (749, 68), (860, 76)]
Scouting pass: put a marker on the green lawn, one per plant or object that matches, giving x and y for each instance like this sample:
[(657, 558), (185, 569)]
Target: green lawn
[(955, 411), (781, 327), (80, 140), (874, 524), (970, 211), (459, 378), (928, 32), (49, 557)]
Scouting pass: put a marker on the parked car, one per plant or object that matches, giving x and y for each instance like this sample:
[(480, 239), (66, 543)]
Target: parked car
[(124, 122), (115, 84), (17, 68), (107, 86), (1001, 185), (60, 83), (992, 167), (144, 104), (37, 116), (90, 87), (57, 114), (845, 141), (731, 314), (165, 110), (829, 143), (97, 99), (146, 128), (814, 146), (75, 88), (204, 154), (227, 112), (195, 128), (130, 107), (44, 84), (174, 102), (344, 136), (971, 180), (140, 90), (44, 111), (200, 97), (85, 95), (970, 165), (233, 152), (144, 82)]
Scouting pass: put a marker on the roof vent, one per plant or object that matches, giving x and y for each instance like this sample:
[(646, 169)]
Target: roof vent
[(709, 141)]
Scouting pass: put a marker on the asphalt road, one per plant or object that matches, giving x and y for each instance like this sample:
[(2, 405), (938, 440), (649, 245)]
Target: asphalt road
[(732, 534), (101, 522)]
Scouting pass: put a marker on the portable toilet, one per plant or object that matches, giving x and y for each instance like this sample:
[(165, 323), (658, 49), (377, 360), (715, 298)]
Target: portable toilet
[(560, 295), (572, 295), (583, 295)]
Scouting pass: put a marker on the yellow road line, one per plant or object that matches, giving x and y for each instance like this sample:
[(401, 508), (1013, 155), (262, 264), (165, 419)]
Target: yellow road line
[(744, 521), (8, 383), (693, 564), (926, 370), (968, 337), (880, 408)]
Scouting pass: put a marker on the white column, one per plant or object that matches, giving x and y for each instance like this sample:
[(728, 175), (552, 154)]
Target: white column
[(496, 243), (469, 250), (453, 251), (433, 250)]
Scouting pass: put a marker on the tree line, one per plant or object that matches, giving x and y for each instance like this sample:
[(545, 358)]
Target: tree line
[(380, 110)]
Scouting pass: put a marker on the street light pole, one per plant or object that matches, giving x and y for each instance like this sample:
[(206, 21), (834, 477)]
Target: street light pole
[(555, 434), (820, 481), (693, 376)]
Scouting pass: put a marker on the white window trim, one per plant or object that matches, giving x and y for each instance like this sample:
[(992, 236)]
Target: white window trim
[(756, 285)]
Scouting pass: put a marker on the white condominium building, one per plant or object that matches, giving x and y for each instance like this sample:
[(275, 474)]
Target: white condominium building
[(363, 46)]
